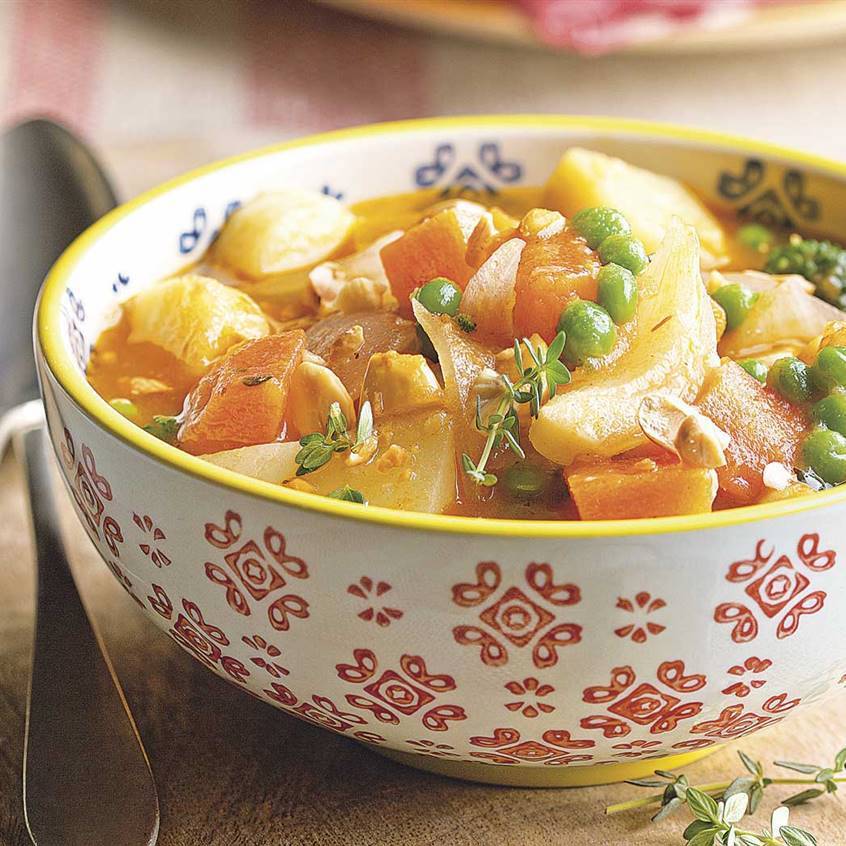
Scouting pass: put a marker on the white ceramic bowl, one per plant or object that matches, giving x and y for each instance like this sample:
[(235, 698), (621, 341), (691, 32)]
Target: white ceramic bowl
[(506, 651)]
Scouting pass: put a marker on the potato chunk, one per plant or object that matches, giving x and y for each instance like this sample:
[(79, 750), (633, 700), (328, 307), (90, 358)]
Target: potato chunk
[(413, 468), (672, 349), (243, 399), (282, 231), (195, 318), (585, 178), (629, 488)]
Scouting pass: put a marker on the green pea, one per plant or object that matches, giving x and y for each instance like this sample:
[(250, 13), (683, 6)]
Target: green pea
[(736, 301), (596, 224), (617, 292), (440, 296), (525, 481), (755, 368), (126, 407), (831, 412), (829, 370), (755, 236), (791, 378), (830, 289), (824, 451), (624, 250), (589, 329)]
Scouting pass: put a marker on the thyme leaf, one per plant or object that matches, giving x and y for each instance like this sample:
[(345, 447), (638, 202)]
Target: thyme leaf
[(164, 428), (545, 373), (317, 448)]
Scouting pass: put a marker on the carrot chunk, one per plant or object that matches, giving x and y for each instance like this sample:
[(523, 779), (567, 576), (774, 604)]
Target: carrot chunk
[(553, 271), (435, 247), (619, 489), (763, 426), (242, 399)]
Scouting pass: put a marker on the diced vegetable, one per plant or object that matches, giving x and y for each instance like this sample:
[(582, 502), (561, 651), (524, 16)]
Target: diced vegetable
[(461, 360), (491, 293), (272, 463), (627, 488), (762, 425), (648, 201), (400, 384), (346, 342), (242, 400), (675, 346), (281, 232), (195, 318), (552, 272), (435, 247), (413, 469), (493, 229), (782, 316)]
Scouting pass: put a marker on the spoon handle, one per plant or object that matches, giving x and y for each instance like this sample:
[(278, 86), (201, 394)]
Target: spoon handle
[(87, 778)]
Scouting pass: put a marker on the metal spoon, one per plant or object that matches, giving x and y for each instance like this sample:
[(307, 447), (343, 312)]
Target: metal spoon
[(87, 779)]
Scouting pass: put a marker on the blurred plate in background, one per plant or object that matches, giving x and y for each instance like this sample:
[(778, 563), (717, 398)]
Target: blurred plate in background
[(793, 24)]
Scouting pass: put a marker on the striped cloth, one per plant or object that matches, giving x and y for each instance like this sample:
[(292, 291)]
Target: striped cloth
[(202, 66), (212, 77)]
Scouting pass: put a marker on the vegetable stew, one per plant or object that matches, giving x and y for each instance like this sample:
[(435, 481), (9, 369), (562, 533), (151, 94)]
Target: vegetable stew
[(602, 347)]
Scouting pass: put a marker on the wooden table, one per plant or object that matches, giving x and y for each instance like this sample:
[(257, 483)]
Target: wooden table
[(232, 771)]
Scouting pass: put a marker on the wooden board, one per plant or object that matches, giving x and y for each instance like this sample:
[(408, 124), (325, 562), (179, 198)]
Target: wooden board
[(790, 25), (232, 771)]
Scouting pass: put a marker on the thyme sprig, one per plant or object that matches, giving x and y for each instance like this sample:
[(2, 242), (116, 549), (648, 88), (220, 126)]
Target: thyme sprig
[(718, 807), (753, 783), (318, 447), (546, 372), (715, 824)]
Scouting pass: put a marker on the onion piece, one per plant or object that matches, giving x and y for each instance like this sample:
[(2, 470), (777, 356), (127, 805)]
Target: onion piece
[(491, 294), (461, 360), (782, 316), (272, 462)]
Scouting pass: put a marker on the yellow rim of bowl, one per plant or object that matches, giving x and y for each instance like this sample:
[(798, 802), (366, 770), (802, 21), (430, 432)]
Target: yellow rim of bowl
[(96, 408)]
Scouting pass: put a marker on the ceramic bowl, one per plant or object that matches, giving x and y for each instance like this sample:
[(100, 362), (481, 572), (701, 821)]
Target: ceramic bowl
[(514, 652)]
